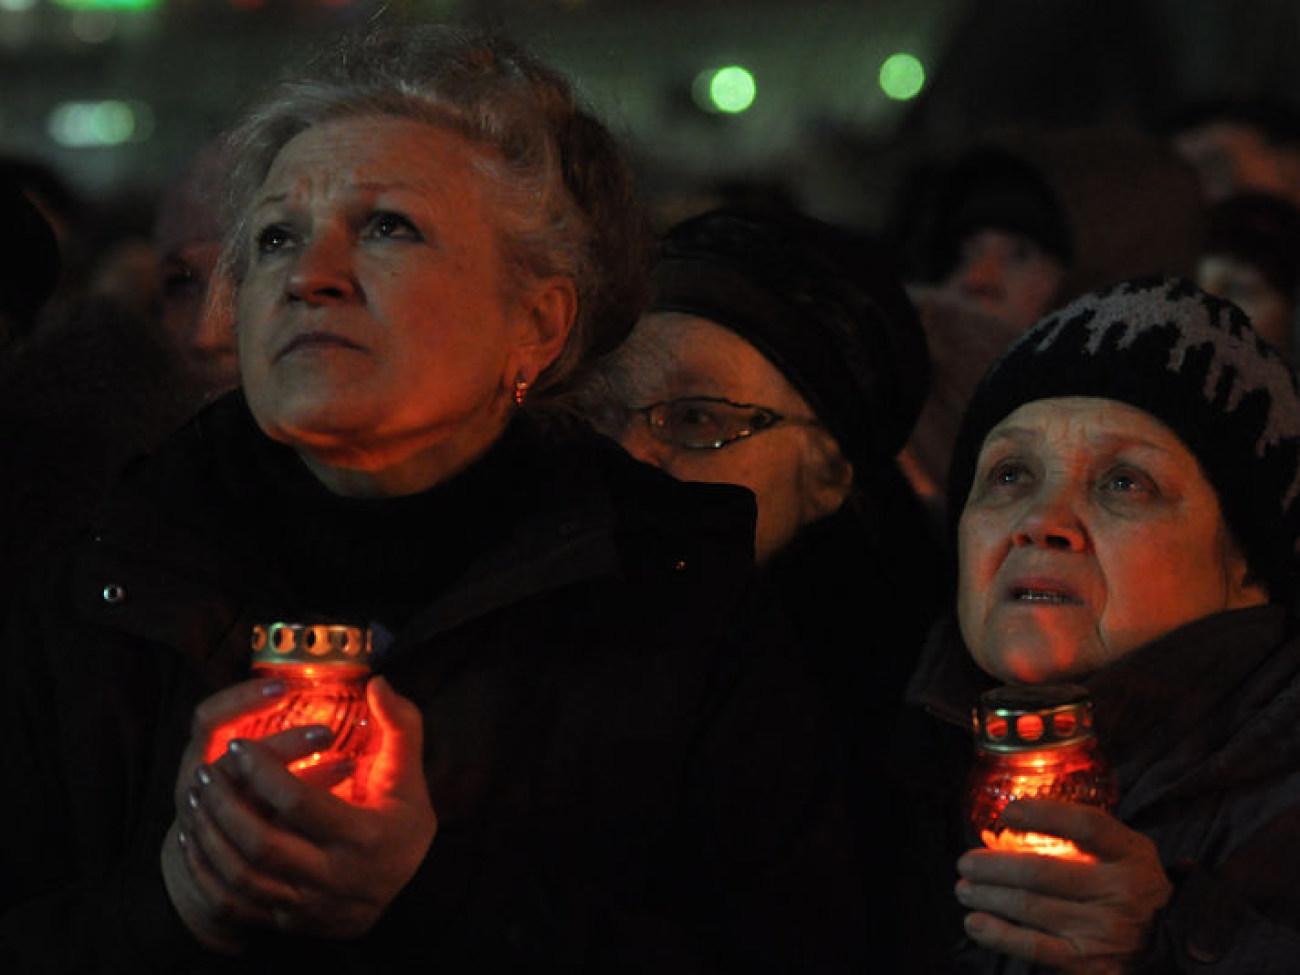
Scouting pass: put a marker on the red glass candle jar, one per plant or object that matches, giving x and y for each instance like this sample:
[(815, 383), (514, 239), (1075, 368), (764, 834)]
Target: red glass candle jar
[(324, 667), (1034, 742)]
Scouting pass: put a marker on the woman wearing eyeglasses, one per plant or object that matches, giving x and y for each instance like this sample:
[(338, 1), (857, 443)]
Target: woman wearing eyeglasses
[(781, 353)]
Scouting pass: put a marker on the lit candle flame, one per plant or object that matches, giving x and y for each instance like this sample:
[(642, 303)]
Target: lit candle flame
[(1016, 841)]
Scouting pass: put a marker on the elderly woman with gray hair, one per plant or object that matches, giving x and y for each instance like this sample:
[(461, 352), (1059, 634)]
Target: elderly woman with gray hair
[(592, 754), (1127, 490)]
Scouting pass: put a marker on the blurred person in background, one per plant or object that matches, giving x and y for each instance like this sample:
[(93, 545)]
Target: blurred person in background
[(1017, 225), (194, 310), (29, 262), (1032, 219), (1241, 145), (85, 386), (1252, 258), (595, 752), (781, 353)]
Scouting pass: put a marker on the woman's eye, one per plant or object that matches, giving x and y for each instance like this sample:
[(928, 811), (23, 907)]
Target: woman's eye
[(392, 225), (1007, 473), (273, 238), (176, 280), (1024, 251), (1001, 481), (1129, 483), (694, 417)]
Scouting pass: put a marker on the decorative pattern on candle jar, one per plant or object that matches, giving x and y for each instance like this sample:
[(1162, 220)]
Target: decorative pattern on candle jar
[(324, 667), (1035, 742)]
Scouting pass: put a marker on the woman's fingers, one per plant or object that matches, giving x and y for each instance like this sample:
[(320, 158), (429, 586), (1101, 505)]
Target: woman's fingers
[(247, 845), (237, 888), (1067, 913), (216, 718), (1092, 830), (398, 767), (1040, 948), (261, 770)]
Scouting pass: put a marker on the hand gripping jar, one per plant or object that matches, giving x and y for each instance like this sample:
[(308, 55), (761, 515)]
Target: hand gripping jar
[(324, 667), (1035, 742)]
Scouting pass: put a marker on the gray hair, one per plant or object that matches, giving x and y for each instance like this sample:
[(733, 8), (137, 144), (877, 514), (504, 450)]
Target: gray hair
[(565, 202)]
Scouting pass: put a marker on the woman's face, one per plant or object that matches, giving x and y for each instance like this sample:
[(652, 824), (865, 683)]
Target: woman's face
[(1007, 275), (199, 330), (1089, 531), (672, 355), (378, 332)]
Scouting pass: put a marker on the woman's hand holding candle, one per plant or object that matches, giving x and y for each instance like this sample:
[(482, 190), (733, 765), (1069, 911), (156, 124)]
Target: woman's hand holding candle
[(1076, 916), (255, 846)]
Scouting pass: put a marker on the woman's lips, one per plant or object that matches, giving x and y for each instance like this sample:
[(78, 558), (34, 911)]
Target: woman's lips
[(1050, 592), (315, 340)]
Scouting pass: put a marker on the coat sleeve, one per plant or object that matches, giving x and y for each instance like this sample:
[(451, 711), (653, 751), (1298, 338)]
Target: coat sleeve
[(80, 884)]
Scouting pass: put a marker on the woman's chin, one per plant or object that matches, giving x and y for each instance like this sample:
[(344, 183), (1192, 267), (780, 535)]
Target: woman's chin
[(1032, 656)]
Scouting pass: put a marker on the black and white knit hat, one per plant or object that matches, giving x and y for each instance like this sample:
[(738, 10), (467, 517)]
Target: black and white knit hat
[(1192, 361)]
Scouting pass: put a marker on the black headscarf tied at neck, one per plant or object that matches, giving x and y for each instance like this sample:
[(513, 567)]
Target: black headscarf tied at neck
[(821, 304)]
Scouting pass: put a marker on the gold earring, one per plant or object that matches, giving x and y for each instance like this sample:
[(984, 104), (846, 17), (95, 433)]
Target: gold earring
[(521, 390)]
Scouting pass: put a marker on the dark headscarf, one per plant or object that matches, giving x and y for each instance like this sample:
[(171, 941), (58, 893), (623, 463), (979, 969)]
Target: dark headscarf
[(821, 304)]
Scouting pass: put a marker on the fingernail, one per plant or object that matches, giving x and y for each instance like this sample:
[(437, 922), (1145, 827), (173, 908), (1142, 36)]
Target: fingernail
[(318, 735), (182, 839), (204, 775), (237, 746), (192, 797), (273, 689)]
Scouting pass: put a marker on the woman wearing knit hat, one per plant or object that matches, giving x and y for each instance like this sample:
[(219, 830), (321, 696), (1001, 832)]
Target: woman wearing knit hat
[(781, 353), (1128, 478)]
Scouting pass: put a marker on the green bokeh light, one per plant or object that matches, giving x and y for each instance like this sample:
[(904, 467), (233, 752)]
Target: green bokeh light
[(86, 125), (902, 76), (732, 90), (108, 5)]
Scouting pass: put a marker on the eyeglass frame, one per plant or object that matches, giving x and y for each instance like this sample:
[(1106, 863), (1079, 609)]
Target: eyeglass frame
[(771, 419)]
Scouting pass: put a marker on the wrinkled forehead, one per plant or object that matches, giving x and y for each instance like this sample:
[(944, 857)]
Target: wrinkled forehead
[(1087, 423), (372, 151)]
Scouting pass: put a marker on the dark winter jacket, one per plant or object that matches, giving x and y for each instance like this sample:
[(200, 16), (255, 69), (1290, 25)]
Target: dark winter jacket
[(861, 589), (1202, 728), (629, 774)]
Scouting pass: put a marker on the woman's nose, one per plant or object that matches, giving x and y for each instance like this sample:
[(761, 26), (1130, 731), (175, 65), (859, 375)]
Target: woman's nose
[(322, 270), (1051, 520), (982, 274)]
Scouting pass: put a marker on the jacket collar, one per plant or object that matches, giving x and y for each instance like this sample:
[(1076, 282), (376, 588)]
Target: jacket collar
[(1216, 701), (168, 563)]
